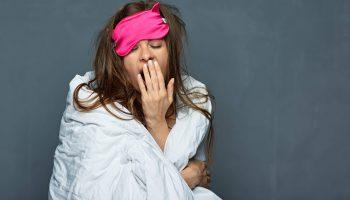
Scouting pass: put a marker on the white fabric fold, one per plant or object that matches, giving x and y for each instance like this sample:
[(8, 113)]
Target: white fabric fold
[(102, 157)]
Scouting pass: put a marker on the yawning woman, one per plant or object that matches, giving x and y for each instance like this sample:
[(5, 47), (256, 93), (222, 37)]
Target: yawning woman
[(137, 126)]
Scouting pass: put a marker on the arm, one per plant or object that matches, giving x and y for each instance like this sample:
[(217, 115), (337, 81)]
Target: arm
[(159, 130), (156, 99), (195, 174), (185, 140)]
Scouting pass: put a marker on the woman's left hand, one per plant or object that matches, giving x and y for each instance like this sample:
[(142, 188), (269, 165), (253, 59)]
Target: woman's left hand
[(156, 99), (196, 174)]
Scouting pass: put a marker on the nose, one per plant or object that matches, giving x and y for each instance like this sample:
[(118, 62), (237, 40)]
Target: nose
[(145, 54)]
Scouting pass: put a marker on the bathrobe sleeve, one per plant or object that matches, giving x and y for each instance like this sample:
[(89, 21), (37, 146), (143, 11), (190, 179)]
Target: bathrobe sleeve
[(188, 137)]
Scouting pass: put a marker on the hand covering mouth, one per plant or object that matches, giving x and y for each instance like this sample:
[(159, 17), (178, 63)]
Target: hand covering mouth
[(142, 75)]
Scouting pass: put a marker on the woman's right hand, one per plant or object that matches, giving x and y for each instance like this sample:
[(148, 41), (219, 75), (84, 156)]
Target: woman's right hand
[(195, 174)]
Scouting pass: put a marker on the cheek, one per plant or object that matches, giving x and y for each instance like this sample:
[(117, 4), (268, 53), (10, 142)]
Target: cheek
[(164, 68), (163, 63), (131, 70)]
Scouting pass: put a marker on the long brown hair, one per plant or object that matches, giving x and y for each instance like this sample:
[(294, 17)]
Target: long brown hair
[(111, 84)]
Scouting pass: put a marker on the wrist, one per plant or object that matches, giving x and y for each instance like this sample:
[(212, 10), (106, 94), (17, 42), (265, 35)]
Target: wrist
[(154, 123), (159, 130)]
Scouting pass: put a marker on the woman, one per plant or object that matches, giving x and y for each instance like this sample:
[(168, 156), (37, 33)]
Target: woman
[(124, 133)]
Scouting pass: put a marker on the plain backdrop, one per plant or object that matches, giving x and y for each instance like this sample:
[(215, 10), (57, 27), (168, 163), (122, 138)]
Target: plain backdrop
[(279, 70)]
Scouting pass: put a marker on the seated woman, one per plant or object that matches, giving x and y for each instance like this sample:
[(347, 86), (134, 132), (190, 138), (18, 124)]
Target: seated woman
[(125, 134)]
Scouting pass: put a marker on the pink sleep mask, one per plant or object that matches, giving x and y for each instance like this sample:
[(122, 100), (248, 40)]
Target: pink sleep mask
[(142, 25)]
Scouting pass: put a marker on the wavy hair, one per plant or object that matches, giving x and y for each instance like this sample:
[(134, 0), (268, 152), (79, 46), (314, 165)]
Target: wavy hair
[(111, 84)]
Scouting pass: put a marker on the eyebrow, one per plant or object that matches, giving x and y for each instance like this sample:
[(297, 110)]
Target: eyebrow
[(152, 40)]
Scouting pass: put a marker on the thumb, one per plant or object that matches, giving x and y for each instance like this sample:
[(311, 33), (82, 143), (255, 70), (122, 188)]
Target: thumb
[(170, 90)]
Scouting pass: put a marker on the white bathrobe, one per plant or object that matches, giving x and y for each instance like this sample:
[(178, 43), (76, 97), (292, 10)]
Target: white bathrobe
[(103, 158)]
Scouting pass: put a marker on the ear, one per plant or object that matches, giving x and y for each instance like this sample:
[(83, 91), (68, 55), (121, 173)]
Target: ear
[(155, 7)]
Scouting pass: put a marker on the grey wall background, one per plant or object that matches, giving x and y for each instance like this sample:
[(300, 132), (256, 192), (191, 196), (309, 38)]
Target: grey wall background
[(279, 70)]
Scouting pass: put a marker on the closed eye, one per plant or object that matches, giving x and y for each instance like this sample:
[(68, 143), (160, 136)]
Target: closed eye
[(156, 47)]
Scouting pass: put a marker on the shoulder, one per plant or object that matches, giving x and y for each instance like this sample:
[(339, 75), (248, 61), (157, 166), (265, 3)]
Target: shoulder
[(78, 79), (191, 83), (98, 116), (84, 92), (194, 86)]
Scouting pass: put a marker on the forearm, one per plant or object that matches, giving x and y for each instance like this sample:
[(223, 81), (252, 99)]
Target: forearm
[(159, 130)]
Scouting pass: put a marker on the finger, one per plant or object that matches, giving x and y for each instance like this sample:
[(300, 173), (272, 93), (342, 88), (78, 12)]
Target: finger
[(141, 85), (170, 90), (198, 163), (208, 180), (160, 76), (147, 78), (205, 182), (205, 164), (202, 166), (154, 77)]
